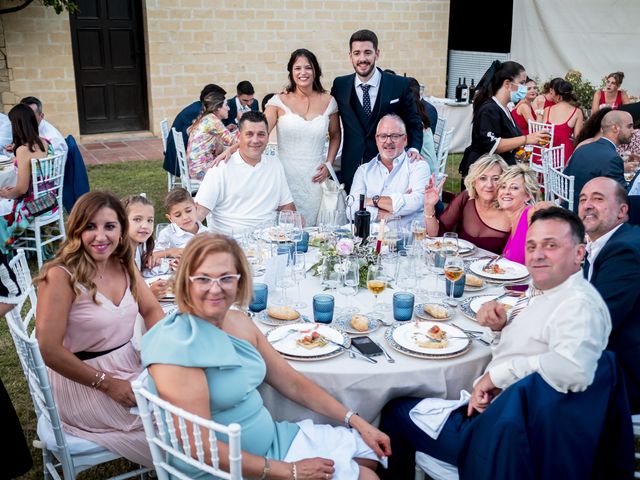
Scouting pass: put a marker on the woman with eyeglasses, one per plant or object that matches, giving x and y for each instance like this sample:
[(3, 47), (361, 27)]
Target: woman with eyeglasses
[(210, 360), (494, 129), (89, 298)]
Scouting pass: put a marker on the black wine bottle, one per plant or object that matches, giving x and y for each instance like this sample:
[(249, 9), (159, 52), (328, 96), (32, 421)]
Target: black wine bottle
[(362, 220), (472, 91), (459, 90), (464, 93)]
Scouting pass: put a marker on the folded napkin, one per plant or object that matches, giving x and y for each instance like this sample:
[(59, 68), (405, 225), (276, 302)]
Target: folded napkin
[(431, 414)]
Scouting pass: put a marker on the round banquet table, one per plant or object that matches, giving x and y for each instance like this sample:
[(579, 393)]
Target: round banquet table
[(365, 387)]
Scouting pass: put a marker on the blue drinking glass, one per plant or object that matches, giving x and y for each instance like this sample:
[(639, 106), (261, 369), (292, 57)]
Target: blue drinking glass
[(285, 249), (403, 306), (323, 308), (260, 295), (458, 287), (303, 245)]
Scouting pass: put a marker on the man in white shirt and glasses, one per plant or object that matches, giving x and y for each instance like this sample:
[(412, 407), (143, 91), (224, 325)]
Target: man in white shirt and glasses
[(391, 182)]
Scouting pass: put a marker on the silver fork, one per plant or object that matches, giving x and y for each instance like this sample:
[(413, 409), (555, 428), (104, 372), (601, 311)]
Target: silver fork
[(389, 358), (490, 262), (289, 332)]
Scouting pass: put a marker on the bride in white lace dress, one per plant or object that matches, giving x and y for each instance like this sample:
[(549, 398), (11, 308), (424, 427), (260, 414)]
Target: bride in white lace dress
[(304, 116)]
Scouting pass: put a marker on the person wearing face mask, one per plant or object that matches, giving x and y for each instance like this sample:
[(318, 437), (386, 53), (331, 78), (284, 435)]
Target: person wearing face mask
[(494, 130)]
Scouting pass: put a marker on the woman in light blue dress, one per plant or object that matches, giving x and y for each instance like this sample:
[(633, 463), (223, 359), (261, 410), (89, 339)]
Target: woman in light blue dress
[(210, 360)]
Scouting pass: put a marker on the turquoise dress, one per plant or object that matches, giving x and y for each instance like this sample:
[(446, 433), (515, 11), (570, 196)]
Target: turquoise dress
[(234, 370)]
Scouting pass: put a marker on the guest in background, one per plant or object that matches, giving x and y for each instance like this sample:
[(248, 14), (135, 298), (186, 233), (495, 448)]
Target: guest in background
[(473, 213), (45, 129), (427, 152), (27, 144), (611, 96), (6, 138), (547, 98), (567, 118), (89, 298), (494, 130), (612, 264), (600, 159), (241, 103), (524, 111), (208, 137), (592, 128)]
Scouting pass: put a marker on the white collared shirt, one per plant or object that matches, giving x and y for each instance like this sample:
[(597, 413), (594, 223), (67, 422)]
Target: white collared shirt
[(240, 196), (560, 335), (373, 178), (240, 108), (53, 136), (594, 248), (175, 237), (6, 135), (374, 81)]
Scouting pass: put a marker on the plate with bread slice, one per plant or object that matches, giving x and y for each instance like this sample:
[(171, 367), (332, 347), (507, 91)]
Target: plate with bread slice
[(473, 283), (357, 324), (276, 315), (428, 339), (433, 311), (308, 341)]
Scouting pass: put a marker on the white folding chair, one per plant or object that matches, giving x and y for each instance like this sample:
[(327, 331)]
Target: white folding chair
[(439, 132), (188, 183), (554, 158), (558, 186), (443, 151), (172, 436), (63, 455), (536, 156), (27, 300), (164, 131), (636, 434), (47, 177)]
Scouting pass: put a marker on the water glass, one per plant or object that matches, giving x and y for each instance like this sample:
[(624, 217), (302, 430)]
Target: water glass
[(458, 287), (323, 308), (260, 295), (403, 306), (303, 244)]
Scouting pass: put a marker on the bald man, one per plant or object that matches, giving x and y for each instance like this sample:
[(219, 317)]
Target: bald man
[(600, 159)]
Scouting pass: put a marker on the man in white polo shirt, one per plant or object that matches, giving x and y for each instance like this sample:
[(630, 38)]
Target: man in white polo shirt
[(245, 191)]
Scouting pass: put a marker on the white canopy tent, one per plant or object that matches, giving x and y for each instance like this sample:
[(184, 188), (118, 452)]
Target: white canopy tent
[(596, 37)]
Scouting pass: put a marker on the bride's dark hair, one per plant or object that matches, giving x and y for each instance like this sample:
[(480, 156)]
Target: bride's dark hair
[(317, 71)]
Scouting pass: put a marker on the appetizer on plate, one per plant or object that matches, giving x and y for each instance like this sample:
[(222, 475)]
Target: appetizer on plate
[(494, 269), (435, 337), (313, 340)]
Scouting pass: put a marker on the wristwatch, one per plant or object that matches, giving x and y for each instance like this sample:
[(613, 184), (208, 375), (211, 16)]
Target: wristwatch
[(375, 199)]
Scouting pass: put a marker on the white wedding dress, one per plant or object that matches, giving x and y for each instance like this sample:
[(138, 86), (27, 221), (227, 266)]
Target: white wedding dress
[(301, 148)]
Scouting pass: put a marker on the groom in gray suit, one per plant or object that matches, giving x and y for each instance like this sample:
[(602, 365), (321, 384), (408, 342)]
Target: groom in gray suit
[(364, 97)]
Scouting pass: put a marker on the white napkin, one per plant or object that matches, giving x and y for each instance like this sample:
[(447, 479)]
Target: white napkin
[(431, 414)]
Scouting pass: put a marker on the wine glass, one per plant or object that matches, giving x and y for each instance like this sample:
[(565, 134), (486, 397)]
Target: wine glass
[(376, 283), (285, 276), (392, 233), (299, 273), (296, 231), (453, 271), (286, 223), (406, 277), (418, 231), (350, 282), (331, 277)]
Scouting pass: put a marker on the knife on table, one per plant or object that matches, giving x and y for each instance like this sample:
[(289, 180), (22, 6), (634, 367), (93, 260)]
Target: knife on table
[(369, 359)]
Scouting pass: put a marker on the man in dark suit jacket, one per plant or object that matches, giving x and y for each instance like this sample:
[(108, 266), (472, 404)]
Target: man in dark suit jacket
[(183, 120), (600, 159), (242, 102), (362, 107), (612, 265)]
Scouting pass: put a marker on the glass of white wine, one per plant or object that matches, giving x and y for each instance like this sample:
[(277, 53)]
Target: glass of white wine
[(376, 283), (453, 271)]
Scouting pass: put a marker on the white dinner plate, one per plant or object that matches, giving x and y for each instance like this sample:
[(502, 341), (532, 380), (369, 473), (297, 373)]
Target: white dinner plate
[(289, 346), (435, 244), (512, 270), (403, 335)]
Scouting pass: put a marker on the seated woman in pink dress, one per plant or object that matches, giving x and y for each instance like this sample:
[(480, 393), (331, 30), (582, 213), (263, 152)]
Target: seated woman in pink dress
[(473, 214), (517, 189), (567, 118), (89, 298), (208, 137)]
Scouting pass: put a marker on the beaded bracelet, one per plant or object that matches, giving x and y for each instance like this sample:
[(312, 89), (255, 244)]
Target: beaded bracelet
[(266, 469), (96, 383), (294, 472)]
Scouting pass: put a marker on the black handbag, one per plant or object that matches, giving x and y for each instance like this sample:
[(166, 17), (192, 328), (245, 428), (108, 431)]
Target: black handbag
[(44, 203)]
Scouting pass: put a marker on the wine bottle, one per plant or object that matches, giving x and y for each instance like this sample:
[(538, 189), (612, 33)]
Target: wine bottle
[(459, 90), (464, 93), (472, 91), (362, 220)]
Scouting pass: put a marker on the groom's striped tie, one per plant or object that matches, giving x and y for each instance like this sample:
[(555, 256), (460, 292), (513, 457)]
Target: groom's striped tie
[(523, 302)]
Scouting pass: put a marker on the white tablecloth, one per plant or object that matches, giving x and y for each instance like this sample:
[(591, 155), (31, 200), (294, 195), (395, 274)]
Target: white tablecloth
[(459, 116), (365, 387)]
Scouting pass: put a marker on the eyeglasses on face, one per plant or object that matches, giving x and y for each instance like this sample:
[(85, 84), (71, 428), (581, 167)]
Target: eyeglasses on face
[(203, 282), (393, 136)]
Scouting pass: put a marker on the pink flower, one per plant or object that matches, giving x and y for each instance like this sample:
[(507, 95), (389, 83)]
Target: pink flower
[(344, 247)]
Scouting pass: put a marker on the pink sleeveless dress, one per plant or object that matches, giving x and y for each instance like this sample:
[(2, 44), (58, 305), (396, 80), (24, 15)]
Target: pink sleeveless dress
[(88, 413), (514, 249)]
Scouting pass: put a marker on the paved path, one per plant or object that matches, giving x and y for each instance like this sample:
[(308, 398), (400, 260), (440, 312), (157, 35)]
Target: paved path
[(122, 151)]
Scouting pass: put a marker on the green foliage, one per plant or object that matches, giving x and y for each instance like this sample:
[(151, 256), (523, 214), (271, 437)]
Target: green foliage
[(583, 89), (58, 5)]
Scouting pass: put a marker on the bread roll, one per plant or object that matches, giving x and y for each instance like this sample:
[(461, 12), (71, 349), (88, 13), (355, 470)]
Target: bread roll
[(473, 281), (282, 313), (436, 311), (360, 323)]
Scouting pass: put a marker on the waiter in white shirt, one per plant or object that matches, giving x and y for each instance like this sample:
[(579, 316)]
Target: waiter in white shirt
[(45, 129), (391, 182)]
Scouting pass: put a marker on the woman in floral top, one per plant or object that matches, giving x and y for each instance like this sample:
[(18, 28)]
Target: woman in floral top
[(208, 137)]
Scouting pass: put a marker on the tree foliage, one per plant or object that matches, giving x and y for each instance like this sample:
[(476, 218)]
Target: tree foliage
[(58, 5)]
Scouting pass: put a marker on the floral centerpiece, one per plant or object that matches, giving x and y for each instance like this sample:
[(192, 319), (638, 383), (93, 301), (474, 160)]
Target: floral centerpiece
[(334, 252)]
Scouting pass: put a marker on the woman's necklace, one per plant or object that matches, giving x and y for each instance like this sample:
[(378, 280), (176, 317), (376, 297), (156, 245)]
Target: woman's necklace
[(101, 274)]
